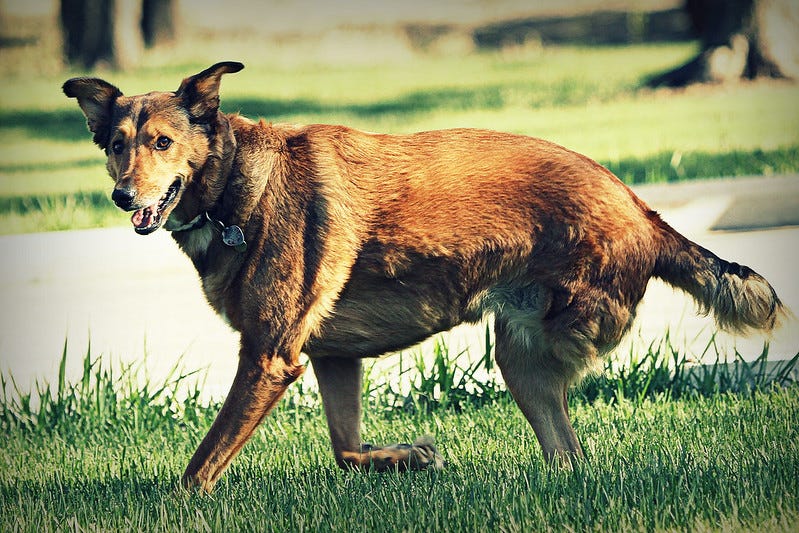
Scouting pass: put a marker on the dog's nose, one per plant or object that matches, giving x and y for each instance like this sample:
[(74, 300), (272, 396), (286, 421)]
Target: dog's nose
[(123, 197)]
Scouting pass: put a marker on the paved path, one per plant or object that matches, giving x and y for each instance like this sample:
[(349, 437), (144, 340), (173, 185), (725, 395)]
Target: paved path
[(135, 296)]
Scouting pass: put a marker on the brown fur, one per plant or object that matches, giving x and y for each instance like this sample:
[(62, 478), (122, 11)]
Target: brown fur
[(361, 244)]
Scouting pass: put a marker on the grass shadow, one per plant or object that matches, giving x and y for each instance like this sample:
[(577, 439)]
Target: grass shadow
[(70, 124), (409, 104), (489, 97), (665, 167), (21, 205), (56, 125)]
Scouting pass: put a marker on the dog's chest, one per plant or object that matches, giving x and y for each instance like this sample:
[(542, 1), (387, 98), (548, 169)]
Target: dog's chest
[(216, 265), (195, 243)]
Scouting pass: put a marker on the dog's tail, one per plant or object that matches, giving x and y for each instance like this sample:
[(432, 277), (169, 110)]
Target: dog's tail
[(739, 298)]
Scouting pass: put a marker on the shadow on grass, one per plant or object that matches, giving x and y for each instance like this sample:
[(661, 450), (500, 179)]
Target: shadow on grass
[(410, 104), (91, 200), (57, 125), (52, 165), (488, 97), (70, 124), (664, 167)]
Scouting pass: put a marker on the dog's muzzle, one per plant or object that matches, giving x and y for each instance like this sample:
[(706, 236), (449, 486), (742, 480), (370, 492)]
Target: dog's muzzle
[(124, 198), (149, 218)]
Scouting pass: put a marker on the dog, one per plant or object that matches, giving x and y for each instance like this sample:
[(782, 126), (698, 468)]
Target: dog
[(344, 245)]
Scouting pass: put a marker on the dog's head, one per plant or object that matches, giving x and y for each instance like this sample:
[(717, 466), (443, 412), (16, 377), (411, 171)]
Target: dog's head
[(155, 142)]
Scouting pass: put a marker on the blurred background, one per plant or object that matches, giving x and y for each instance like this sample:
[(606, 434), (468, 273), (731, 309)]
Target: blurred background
[(692, 102), (737, 38)]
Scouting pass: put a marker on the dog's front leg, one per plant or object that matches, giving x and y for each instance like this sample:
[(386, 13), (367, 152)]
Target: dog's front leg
[(259, 383)]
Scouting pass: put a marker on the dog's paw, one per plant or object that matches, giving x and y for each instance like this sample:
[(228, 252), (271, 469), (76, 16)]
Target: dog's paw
[(420, 455), (195, 484), (424, 455)]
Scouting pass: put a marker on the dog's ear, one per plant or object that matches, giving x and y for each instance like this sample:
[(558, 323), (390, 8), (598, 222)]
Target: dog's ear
[(96, 98), (200, 93)]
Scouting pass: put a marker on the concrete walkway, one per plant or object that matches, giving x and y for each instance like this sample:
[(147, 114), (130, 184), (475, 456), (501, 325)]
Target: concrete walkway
[(134, 296)]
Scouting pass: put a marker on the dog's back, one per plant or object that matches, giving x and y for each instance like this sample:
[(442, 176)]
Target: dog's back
[(473, 215), (460, 222)]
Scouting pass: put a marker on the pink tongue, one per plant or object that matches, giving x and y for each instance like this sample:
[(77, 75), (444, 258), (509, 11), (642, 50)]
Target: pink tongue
[(143, 217)]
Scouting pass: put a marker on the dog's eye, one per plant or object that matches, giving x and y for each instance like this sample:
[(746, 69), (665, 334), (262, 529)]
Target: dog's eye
[(162, 143), (117, 147)]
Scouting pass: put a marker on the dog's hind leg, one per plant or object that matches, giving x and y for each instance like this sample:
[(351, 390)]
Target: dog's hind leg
[(340, 385), (259, 383), (538, 384)]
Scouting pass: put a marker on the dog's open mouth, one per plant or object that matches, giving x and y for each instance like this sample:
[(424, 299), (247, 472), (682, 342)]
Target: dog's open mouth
[(149, 219)]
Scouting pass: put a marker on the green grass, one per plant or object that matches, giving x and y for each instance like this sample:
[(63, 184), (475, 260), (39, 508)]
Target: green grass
[(106, 453), (588, 99), (725, 462)]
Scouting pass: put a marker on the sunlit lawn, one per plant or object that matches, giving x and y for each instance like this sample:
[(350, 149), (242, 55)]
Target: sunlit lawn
[(664, 452)]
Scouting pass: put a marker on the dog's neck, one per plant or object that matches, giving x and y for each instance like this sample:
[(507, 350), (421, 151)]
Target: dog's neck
[(206, 195)]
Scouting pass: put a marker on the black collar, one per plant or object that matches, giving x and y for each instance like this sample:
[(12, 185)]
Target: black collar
[(196, 223)]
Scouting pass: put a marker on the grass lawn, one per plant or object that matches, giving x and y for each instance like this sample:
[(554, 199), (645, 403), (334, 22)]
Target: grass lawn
[(664, 451), (588, 99), (728, 462)]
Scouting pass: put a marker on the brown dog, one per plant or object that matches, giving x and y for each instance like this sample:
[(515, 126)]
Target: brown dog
[(344, 244)]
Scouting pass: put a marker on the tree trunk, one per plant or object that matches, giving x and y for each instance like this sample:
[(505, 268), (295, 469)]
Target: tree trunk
[(85, 29), (740, 39), (159, 22), (101, 32)]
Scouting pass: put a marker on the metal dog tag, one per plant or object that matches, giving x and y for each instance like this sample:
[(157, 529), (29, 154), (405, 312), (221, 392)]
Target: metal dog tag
[(233, 236)]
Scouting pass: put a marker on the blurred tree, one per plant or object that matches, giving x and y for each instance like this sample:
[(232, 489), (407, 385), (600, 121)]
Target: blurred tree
[(114, 32), (739, 39), (158, 22)]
